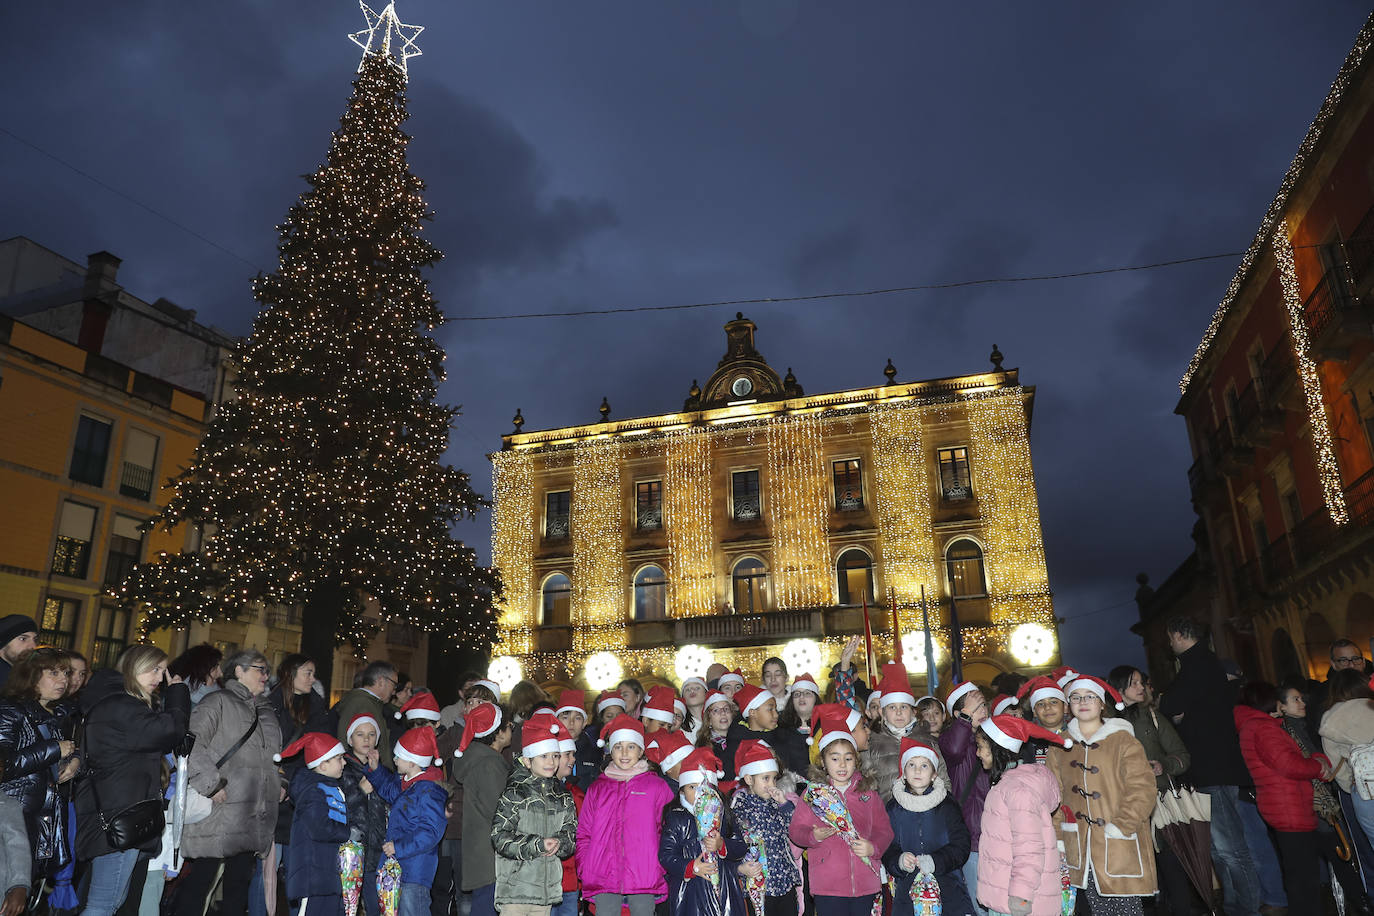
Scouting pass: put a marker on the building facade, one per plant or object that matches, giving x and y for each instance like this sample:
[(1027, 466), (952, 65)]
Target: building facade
[(1279, 404), (759, 520)]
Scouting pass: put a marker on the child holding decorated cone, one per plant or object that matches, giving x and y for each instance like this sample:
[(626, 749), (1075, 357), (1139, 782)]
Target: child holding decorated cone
[(417, 798), (703, 873), (929, 836), (367, 812), (535, 825), (764, 814)]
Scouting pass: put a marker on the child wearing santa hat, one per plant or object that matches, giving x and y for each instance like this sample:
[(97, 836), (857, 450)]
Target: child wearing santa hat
[(968, 708), (618, 829), (764, 812), (421, 709), (319, 823), (417, 798), (759, 710), (367, 811), (571, 710), (535, 825), (897, 720), (703, 874), (929, 836), (1019, 869), (482, 771), (569, 752)]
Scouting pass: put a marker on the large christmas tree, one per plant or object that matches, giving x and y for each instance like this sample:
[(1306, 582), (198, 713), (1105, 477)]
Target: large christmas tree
[(321, 484)]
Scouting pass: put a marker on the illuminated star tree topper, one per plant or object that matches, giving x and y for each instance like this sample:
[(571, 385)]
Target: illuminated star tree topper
[(377, 37)]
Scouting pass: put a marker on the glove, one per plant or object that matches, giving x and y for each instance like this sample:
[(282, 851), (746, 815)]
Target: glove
[(1019, 907), (926, 865), (1113, 832), (184, 746)]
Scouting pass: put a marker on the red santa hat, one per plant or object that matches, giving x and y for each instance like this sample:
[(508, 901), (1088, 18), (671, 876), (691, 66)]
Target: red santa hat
[(714, 697), (957, 693), (806, 682), (832, 725), (695, 680), (667, 749), (753, 757), (701, 765), (1062, 675), (420, 706), (317, 747), (608, 699), (1041, 688), (566, 744), (482, 720), (360, 719), (659, 707), (1095, 685), (1001, 703), (749, 698), (843, 716), (1013, 731), (895, 686), (420, 747), (679, 707), (913, 748), (622, 728), (572, 701), (731, 677), (540, 734)]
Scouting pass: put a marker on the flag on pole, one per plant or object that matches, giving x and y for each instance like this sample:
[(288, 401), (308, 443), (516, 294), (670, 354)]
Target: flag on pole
[(868, 643), (932, 676), (896, 627)]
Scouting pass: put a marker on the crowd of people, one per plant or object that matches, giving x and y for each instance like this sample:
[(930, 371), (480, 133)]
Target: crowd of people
[(719, 796)]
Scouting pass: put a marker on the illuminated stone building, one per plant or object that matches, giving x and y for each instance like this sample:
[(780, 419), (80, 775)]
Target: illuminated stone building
[(758, 520), (1279, 403)]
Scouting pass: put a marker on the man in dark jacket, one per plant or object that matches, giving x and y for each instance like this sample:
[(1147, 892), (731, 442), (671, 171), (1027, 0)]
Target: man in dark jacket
[(18, 635), (1199, 703), (377, 686)]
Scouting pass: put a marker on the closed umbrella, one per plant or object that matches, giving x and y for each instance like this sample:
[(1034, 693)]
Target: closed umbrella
[(1183, 819)]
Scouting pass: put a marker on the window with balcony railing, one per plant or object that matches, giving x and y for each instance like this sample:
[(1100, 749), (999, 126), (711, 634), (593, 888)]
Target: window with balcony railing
[(557, 506), (140, 455), (849, 485), (745, 503), (648, 505), (956, 482), (91, 451)]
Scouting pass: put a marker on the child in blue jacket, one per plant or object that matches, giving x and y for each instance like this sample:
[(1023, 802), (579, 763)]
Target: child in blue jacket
[(417, 823), (929, 836), (319, 824)]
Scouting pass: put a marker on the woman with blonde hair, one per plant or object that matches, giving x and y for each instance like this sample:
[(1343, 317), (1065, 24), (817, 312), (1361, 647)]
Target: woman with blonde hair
[(134, 714)]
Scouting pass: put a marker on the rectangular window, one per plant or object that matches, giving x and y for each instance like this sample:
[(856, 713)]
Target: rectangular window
[(1294, 507), (111, 635), (58, 626), (140, 454), (71, 555), (744, 496), (849, 485), (556, 506), (649, 505), (126, 548), (91, 451), (955, 482)]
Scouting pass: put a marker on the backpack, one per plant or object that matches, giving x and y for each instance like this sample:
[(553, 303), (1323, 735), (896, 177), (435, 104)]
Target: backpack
[(1362, 770)]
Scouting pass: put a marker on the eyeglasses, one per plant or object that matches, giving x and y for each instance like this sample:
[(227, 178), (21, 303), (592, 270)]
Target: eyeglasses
[(263, 668), (1346, 661), (1082, 697)]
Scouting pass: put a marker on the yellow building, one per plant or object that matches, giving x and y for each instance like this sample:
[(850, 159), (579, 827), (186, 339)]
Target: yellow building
[(758, 520)]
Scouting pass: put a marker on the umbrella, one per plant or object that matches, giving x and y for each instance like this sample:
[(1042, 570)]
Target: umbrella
[(64, 896), (178, 811), (1183, 819)]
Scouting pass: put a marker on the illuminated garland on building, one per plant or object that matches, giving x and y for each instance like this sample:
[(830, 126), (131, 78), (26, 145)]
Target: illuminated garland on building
[(798, 508), (1014, 553), (598, 580), (901, 471), (687, 517), (1327, 468), (512, 545), (1274, 215)]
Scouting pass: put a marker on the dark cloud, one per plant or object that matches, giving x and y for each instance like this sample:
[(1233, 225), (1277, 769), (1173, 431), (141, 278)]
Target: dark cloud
[(820, 258)]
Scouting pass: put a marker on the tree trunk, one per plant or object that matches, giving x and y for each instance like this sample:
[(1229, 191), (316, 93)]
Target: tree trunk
[(319, 621)]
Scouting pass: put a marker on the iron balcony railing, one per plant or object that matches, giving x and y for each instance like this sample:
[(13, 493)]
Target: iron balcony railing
[(136, 481), (1327, 303), (1359, 499)]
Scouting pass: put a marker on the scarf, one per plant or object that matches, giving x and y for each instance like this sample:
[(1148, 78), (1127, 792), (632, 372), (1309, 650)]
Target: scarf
[(1324, 801), (622, 775)]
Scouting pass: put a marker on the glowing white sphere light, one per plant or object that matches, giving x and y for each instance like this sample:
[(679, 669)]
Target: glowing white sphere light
[(1032, 644), (505, 671), (603, 671), (691, 661), (914, 651), (802, 656)]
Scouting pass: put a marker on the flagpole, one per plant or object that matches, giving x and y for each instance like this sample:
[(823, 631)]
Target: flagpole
[(932, 676), (868, 642), (896, 627)]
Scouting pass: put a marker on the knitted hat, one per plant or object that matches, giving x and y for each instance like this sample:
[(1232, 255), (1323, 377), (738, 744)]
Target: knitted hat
[(420, 706), (667, 749), (420, 747), (1001, 703), (1041, 688), (749, 698), (622, 728), (714, 697), (753, 757), (694, 680), (362, 718), (540, 735), (731, 677), (572, 701), (1012, 731), (806, 682), (491, 685), (701, 765), (895, 686), (1095, 685), (1062, 675), (913, 748), (12, 626), (483, 719), (608, 699), (659, 708), (318, 748), (957, 692)]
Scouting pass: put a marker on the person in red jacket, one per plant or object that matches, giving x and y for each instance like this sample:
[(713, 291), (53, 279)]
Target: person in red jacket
[(568, 907), (1283, 786)]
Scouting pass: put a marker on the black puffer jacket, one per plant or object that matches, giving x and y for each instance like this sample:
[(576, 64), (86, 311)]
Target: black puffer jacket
[(124, 742), (366, 812), (29, 750)]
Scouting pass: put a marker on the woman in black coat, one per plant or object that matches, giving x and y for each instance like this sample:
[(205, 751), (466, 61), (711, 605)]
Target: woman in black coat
[(127, 732), (35, 743), (299, 709)]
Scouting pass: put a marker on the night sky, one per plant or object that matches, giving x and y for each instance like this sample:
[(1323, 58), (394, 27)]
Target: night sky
[(601, 155)]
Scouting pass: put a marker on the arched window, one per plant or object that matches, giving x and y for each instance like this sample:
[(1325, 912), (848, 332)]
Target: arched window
[(651, 594), (855, 572), (964, 567), (557, 601), (750, 581)]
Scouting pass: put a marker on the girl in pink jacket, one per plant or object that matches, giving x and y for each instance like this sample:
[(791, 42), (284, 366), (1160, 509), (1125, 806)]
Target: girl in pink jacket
[(844, 872), (1018, 865), (619, 826)]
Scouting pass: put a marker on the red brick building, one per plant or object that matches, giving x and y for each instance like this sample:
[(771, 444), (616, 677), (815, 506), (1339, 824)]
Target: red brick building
[(1279, 402)]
